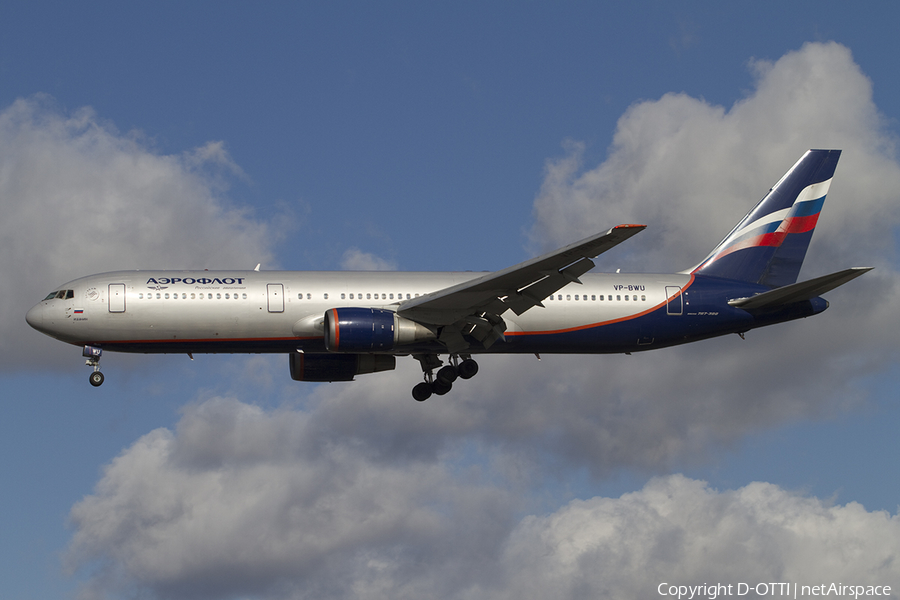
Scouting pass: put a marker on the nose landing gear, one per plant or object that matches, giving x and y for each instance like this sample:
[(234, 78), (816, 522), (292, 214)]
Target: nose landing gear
[(441, 383), (92, 353)]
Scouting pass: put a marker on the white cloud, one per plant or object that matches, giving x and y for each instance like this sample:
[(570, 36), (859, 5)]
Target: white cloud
[(679, 531), (355, 259), (241, 502), (78, 198), (690, 170)]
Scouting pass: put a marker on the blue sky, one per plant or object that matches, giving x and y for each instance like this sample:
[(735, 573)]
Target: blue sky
[(439, 137)]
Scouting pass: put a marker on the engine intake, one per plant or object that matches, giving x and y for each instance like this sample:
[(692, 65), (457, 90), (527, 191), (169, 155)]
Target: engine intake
[(357, 329), (338, 367)]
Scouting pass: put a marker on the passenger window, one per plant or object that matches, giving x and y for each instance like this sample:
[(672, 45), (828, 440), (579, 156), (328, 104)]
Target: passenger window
[(593, 298), (351, 296), (218, 296), (392, 297), (326, 296), (369, 296), (244, 295), (140, 296), (619, 298), (643, 298), (227, 297), (299, 296)]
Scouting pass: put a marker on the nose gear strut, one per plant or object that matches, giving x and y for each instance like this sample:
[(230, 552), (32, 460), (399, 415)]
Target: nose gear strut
[(92, 353)]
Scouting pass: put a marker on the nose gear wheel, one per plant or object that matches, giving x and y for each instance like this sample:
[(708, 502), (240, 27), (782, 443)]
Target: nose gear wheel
[(93, 353)]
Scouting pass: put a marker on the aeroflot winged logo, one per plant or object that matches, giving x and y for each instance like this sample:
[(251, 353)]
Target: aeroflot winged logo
[(195, 281)]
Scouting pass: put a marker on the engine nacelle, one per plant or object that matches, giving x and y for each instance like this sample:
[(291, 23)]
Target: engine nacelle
[(338, 367), (357, 329)]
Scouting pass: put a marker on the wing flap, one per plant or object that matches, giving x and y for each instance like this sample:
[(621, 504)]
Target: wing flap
[(797, 292)]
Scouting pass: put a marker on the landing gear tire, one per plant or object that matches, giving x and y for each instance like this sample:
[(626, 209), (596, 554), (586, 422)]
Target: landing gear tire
[(440, 387), (422, 391), (96, 378), (447, 375), (467, 368)]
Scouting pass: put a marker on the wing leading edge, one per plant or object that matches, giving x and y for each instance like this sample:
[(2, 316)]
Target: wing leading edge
[(474, 307)]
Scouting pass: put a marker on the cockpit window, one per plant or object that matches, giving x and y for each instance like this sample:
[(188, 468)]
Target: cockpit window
[(61, 294)]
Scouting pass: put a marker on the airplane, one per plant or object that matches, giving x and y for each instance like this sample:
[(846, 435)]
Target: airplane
[(340, 324)]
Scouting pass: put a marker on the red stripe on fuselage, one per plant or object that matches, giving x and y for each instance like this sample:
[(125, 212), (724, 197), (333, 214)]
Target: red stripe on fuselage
[(113, 343), (602, 323)]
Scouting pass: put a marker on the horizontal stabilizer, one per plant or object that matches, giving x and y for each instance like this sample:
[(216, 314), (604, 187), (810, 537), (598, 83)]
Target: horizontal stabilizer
[(797, 292)]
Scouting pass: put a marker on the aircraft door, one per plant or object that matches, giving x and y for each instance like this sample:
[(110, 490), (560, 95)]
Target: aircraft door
[(674, 303), (116, 297), (275, 293)]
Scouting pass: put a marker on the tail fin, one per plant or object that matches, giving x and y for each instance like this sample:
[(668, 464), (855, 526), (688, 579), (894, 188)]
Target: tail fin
[(768, 246)]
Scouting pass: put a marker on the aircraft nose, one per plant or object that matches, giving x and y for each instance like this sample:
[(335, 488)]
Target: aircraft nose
[(35, 316)]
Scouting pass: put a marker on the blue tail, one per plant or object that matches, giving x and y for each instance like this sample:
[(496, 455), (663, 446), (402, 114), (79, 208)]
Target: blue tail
[(768, 246)]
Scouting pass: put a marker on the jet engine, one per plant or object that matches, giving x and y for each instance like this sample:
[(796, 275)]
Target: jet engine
[(357, 329), (338, 367)]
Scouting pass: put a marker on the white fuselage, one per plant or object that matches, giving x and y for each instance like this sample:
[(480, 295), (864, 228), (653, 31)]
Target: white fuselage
[(277, 311)]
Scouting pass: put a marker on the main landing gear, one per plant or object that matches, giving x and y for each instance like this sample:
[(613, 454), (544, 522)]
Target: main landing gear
[(441, 383), (92, 353)]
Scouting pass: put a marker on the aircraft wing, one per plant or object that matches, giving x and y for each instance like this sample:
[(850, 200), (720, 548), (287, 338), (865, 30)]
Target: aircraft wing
[(475, 306), (799, 291)]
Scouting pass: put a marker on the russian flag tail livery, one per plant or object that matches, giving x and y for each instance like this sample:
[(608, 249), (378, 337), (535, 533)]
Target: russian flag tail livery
[(768, 246)]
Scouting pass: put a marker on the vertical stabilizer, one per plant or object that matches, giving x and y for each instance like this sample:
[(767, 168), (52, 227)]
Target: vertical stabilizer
[(768, 246)]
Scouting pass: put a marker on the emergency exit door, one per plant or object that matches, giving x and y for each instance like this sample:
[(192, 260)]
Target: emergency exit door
[(116, 301), (275, 292), (674, 300)]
